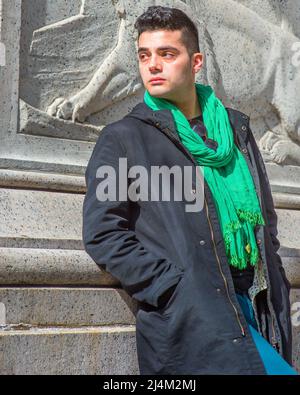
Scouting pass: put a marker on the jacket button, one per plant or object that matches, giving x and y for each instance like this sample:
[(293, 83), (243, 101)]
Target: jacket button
[(157, 124), (258, 241), (244, 116), (218, 290), (202, 242), (244, 128), (235, 340), (245, 150)]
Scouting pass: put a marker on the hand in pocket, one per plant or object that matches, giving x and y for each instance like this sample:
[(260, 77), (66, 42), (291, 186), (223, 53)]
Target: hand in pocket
[(167, 297)]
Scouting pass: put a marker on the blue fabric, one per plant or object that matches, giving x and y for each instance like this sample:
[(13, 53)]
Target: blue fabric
[(272, 360)]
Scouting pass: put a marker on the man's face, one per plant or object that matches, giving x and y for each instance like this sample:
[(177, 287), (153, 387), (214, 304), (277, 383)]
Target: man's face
[(162, 54)]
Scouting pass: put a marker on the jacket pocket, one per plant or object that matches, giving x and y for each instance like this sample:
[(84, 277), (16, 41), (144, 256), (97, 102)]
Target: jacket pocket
[(167, 307)]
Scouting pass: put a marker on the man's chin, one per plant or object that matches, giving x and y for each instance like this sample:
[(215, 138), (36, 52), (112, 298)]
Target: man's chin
[(159, 92)]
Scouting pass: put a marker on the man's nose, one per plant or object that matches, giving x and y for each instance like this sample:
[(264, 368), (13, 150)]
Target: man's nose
[(154, 64)]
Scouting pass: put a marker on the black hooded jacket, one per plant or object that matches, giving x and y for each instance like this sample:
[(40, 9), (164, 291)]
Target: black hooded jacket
[(173, 262)]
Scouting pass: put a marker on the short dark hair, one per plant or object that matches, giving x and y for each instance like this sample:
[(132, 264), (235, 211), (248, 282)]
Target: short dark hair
[(167, 18)]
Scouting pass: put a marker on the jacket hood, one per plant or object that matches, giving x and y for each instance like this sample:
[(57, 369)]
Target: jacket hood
[(163, 119), (160, 118)]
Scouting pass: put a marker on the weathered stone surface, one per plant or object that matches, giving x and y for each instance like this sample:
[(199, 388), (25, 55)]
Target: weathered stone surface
[(37, 123), (67, 306), (10, 30), (51, 267), (295, 314), (77, 351), (2, 314), (288, 228), (291, 267), (41, 218), (42, 181)]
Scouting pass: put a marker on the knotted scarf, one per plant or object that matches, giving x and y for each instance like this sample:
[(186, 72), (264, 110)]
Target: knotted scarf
[(225, 171)]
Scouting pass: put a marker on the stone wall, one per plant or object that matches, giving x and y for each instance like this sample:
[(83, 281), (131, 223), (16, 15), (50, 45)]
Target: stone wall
[(68, 72)]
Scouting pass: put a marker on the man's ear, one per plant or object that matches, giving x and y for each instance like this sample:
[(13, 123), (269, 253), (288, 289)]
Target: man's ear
[(198, 59)]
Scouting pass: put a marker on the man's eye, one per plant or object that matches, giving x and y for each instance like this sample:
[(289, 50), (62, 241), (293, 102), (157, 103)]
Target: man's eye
[(143, 56), (168, 55)]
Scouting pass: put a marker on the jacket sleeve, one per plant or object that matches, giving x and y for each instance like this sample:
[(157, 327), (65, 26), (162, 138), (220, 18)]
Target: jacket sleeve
[(269, 205), (107, 236)]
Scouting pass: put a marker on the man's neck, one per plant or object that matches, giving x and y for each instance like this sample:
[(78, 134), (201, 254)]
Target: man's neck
[(190, 107)]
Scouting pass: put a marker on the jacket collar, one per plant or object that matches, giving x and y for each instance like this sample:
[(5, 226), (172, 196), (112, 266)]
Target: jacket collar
[(163, 119)]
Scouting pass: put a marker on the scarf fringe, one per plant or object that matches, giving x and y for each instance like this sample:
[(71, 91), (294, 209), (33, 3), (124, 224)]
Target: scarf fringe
[(242, 263), (252, 257), (231, 228), (252, 218)]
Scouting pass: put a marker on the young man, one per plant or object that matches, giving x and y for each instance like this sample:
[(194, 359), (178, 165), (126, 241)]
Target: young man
[(212, 293)]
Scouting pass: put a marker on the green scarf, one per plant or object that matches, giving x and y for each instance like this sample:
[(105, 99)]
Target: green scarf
[(226, 172)]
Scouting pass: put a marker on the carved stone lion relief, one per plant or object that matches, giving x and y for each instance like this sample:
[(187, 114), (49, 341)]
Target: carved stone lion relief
[(83, 64)]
